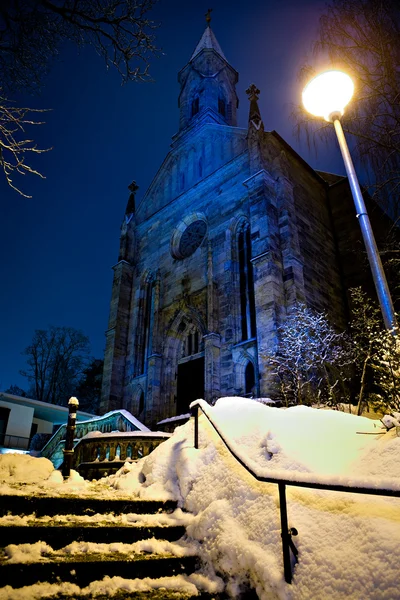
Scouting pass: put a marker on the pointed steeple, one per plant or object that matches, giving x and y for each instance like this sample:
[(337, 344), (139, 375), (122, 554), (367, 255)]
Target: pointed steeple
[(208, 39), (254, 114), (208, 84)]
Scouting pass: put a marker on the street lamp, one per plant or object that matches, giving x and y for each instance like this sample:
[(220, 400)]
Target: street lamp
[(326, 96)]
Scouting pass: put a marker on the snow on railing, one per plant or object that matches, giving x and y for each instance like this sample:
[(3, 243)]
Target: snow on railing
[(306, 480)]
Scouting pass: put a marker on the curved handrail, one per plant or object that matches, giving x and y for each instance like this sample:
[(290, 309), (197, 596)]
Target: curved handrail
[(282, 482), (361, 489)]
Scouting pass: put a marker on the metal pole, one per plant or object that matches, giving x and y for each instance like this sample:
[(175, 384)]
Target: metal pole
[(378, 274), (285, 534), (195, 412), (68, 451)]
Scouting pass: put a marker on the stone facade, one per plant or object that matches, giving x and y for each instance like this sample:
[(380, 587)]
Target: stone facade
[(234, 229)]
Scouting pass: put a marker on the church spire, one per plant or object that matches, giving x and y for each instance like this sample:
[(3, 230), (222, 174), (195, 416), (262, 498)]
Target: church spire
[(208, 84), (208, 40)]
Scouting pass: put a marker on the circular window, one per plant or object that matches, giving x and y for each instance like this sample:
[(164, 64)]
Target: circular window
[(188, 236)]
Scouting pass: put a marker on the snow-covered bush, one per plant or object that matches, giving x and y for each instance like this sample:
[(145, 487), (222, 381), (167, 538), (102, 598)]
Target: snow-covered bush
[(311, 362), (377, 356)]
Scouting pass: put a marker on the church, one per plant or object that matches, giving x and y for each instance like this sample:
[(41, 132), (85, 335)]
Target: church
[(234, 229)]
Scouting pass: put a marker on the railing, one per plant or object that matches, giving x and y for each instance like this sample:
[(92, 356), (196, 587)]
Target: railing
[(113, 447), (16, 442), (107, 423), (286, 532)]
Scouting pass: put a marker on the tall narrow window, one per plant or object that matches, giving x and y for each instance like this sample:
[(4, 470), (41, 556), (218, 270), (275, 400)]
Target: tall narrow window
[(148, 312), (222, 107), (247, 301), (195, 106)]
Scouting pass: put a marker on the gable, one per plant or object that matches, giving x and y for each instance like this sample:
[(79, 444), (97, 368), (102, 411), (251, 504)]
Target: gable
[(192, 158)]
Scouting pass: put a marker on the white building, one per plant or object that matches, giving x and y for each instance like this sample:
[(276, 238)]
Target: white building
[(21, 418)]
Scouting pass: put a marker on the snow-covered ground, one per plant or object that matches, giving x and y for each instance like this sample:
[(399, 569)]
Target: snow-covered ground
[(349, 544)]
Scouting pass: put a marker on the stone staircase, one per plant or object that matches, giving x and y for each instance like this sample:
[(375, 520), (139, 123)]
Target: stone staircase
[(82, 541)]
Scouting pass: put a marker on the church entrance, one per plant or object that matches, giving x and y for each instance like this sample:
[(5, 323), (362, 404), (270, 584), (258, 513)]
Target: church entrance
[(190, 383)]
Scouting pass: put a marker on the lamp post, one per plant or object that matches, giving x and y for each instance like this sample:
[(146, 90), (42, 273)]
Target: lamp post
[(326, 96)]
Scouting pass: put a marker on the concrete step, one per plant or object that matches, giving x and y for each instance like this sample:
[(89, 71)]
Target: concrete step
[(58, 536), (85, 568), (41, 506)]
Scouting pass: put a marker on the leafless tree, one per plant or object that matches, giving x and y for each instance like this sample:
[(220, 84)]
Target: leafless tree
[(56, 359), (14, 146), (362, 37), (31, 34)]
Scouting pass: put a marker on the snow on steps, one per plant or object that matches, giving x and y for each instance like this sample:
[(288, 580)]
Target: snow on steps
[(83, 553)]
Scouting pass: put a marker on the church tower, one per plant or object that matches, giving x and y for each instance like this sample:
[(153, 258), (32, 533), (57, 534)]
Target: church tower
[(234, 229)]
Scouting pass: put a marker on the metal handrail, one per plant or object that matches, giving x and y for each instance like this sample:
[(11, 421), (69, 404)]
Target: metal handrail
[(6, 441), (286, 532)]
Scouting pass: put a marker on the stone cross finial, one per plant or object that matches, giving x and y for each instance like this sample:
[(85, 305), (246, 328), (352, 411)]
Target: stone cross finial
[(252, 92), (133, 187), (208, 16)]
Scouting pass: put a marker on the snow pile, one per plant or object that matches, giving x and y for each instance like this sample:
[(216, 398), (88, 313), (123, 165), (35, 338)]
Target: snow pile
[(349, 544), (24, 468), (24, 474)]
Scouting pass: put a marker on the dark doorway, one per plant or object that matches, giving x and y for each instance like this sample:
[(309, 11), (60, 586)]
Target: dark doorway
[(250, 379), (190, 384)]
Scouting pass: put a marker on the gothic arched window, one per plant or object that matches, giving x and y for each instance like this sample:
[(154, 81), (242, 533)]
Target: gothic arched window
[(193, 343), (222, 107), (249, 378), (247, 301)]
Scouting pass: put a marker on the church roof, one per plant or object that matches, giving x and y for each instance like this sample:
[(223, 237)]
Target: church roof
[(209, 41)]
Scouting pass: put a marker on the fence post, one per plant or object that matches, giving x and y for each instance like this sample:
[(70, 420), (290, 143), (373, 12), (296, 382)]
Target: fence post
[(285, 534), (68, 451), (195, 414)]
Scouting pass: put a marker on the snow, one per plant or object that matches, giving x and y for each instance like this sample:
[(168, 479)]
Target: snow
[(185, 584), (349, 544), (24, 468), (177, 517), (173, 419), (42, 552), (130, 434), (126, 414)]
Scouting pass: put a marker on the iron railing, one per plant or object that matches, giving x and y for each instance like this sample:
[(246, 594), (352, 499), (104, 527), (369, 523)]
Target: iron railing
[(16, 442), (286, 532)]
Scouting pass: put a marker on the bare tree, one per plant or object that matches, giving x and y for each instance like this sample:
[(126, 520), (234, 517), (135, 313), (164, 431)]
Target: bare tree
[(362, 37), (31, 34), (56, 360), (14, 146), (311, 359)]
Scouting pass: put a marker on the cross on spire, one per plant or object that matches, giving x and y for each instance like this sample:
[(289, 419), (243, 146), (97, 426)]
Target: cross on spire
[(208, 16), (254, 113), (253, 92)]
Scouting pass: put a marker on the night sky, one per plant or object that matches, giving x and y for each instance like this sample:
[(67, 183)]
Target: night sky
[(58, 248)]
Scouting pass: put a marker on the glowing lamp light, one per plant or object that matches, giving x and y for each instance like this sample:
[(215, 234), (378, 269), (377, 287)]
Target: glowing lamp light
[(328, 93)]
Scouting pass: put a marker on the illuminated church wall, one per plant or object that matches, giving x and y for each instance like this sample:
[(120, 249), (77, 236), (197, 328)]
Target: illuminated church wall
[(233, 230)]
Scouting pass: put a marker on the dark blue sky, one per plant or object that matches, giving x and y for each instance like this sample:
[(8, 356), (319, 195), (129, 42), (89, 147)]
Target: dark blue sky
[(57, 248)]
